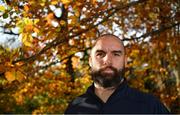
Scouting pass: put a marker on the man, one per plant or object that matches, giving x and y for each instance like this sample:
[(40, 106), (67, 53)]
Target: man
[(110, 93)]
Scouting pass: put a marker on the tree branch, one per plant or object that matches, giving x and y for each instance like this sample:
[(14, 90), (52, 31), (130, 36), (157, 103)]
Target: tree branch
[(158, 31), (63, 39), (59, 61), (112, 11), (5, 32), (154, 32)]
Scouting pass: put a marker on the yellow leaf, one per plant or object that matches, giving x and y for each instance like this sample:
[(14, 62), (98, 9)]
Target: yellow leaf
[(27, 43), (36, 21), (54, 2), (20, 76), (42, 4), (10, 75), (30, 38), (62, 22), (1, 51), (26, 39), (28, 21), (153, 16), (2, 8), (66, 1), (77, 13)]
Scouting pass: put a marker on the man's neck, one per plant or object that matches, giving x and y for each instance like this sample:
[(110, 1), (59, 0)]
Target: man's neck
[(105, 93)]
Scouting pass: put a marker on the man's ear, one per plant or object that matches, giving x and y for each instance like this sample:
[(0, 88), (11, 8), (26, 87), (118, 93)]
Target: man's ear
[(90, 61)]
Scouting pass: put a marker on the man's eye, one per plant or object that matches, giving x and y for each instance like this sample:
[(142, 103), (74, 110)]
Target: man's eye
[(100, 54), (117, 54)]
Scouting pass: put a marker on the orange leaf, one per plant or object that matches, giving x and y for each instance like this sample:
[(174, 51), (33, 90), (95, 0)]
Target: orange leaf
[(2, 68), (49, 18), (28, 27), (36, 30), (19, 63), (26, 8), (10, 75), (62, 22)]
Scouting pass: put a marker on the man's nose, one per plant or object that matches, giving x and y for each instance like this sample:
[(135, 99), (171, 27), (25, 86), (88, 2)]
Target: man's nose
[(108, 60)]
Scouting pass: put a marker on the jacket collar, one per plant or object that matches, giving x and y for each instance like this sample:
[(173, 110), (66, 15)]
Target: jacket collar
[(118, 93)]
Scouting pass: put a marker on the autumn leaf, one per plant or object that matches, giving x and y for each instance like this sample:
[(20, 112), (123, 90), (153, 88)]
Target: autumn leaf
[(10, 75), (49, 18), (36, 21), (36, 30), (26, 39), (2, 68), (153, 16), (26, 8), (62, 22), (2, 8), (20, 76), (75, 62), (77, 12), (28, 27), (54, 2), (66, 2), (42, 79), (19, 64)]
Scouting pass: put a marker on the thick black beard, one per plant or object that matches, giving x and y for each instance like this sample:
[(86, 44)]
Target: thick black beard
[(106, 79)]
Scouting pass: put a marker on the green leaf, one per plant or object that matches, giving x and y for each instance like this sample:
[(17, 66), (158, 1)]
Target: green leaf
[(5, 15)]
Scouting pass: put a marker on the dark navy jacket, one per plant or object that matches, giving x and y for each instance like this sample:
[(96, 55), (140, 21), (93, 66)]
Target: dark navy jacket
[(123, 100)]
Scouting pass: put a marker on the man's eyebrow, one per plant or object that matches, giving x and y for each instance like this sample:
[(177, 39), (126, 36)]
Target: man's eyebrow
[(117, 51), (100, 51)]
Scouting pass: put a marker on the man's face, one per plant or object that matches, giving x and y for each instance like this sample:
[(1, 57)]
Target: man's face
[(107, 61)]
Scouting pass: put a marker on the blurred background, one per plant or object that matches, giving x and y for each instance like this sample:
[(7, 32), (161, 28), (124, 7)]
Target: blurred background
[(44, 48)]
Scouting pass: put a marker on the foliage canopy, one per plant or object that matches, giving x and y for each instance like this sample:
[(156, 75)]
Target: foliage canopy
[(50, 67)]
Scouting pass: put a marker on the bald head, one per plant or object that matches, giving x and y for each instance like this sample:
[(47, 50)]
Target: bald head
[(109, 37)]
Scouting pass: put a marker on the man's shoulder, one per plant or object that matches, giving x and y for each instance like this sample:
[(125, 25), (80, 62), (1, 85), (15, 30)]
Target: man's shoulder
[(148, 99), (80, 99), (87, 96), (72, 107), (141, 96)]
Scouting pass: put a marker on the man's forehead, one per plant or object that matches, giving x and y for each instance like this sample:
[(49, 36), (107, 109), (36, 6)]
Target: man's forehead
[(111, 39), (110, 42)]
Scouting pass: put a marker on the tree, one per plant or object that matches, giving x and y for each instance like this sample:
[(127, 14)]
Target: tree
[(50, 68)]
